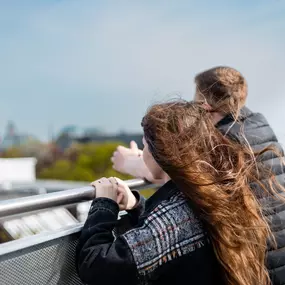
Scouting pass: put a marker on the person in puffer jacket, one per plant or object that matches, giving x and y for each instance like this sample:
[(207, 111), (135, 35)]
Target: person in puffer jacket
[(224, 92)]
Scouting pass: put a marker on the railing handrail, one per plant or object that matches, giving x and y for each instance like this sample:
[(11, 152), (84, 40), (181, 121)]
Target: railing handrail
[(61, 198)]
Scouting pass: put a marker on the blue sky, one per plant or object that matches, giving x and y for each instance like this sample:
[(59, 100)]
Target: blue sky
[(102, 63)]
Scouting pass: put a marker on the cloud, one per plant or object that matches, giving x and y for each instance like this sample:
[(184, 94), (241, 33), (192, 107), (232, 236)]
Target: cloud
[(88, 62)]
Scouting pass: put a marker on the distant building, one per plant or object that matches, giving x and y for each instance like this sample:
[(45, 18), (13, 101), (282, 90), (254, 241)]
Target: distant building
[(72, 134), (69, 134), (12, 138), (122, 137)]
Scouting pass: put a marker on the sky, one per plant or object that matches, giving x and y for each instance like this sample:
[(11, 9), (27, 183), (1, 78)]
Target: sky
[(102, 63)]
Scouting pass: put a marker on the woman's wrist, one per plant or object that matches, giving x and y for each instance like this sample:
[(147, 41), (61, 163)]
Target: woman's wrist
[(135, 200)]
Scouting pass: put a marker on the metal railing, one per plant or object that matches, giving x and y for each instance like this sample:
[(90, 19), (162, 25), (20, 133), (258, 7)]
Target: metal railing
[(46, 258), (61, 198)]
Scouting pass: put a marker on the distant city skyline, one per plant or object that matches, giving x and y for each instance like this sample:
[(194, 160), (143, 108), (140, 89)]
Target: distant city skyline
[(102, 63), (11, 130)]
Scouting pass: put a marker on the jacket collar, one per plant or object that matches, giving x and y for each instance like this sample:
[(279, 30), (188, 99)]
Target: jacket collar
[(163, 193), (244, 113)]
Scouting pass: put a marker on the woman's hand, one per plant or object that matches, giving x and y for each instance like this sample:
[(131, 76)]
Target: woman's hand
[(116, 190), (128, 201), (125, 160), (106, 189)]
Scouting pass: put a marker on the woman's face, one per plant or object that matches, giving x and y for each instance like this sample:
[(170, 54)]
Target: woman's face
[(150, 162)]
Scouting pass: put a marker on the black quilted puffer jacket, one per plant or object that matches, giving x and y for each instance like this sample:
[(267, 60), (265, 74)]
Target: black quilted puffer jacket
[(254, 129)]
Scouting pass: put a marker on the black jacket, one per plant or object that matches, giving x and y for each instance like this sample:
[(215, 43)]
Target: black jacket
[(168, 244), (253, 129)]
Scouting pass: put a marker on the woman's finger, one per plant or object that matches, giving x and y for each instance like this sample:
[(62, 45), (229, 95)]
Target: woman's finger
[(118, 181), (105, 180), (120, 198), (113, 182), (95, 182)]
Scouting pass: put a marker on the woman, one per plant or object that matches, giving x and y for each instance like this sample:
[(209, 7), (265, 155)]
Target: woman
[(203, 226)]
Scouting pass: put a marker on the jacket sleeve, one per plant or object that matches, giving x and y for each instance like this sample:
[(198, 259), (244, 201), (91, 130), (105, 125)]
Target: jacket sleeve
[(100, 258), (131, 218), (139, 209)]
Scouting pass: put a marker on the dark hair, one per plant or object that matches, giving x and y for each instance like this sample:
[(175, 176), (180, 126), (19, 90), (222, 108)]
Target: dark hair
[(214, 174)]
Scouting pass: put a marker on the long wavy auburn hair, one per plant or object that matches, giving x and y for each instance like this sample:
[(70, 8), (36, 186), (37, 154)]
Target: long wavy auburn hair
[(214, 173)]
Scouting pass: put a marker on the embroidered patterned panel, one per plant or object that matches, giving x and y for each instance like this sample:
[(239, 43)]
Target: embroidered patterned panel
[(170, 231)]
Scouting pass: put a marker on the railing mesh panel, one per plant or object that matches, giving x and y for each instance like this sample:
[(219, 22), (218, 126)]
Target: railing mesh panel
[(48, 263)]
